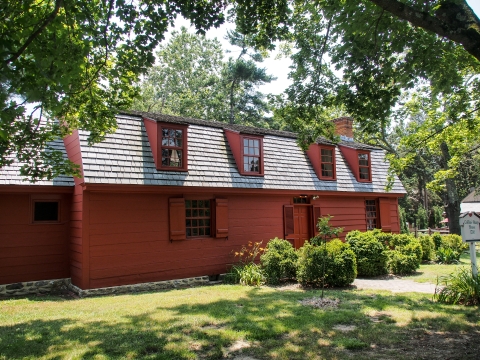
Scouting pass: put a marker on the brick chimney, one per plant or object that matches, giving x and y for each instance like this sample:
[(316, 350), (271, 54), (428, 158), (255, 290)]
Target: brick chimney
[(344, 127)]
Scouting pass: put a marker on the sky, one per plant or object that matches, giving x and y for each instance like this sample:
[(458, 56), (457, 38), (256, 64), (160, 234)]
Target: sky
[(276, 67)]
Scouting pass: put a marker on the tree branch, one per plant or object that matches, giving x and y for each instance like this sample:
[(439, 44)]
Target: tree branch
[(455, 21), (48, 20)]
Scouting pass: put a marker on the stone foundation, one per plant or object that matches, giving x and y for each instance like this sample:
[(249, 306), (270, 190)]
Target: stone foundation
[(34, 287), (62, 285), (143, 287)]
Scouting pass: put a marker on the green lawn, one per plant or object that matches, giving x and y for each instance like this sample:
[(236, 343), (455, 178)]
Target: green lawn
[(430, 272), (227, 320)]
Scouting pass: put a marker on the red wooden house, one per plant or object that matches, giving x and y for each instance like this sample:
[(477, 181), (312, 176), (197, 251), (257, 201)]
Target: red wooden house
[(167, 197)]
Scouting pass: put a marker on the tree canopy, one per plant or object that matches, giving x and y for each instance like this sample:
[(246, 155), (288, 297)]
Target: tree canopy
[(191, 78), (72, 64), (77, 62)]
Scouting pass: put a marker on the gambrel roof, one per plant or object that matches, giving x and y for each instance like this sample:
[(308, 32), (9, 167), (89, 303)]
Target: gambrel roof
[(10, 175), (125, 158)]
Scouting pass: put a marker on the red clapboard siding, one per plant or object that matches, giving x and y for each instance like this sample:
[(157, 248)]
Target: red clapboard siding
[(30, 251), (129, 241)]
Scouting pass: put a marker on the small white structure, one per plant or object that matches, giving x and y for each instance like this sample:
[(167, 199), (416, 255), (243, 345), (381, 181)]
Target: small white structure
[(471, 203)]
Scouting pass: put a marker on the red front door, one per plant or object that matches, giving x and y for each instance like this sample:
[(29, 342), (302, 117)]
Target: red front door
[(301, 225)]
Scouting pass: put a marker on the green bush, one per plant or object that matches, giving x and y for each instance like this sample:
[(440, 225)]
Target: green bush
[(459, 288), (340, 264), (405, 254), (450, 249), (437, 239), (279, 261), (402, 263), (369, 252), (428, 247), (454, 242)]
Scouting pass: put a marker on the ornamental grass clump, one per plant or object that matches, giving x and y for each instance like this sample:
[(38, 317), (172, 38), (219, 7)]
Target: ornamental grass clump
[(279, 261), (247, 271), (462, 287)]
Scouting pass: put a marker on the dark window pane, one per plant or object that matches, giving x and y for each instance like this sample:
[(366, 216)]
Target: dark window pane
[(188, 213), (189, 232), (207, 231), (194, 232), (364, 174), (194, 204), (207, 222), (201, 231), (178, 134), (194, 222), (188, 204), (45, 211)]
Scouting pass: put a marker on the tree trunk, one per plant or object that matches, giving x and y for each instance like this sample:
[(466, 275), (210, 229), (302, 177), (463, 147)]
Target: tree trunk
[(453, 203)]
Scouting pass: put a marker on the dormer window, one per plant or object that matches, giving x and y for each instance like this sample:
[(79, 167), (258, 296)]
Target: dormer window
[(327, 163), (172, 147), (322, 158), (364, 169), (169, 145), (251, 155), (360, 162), (247, 150)]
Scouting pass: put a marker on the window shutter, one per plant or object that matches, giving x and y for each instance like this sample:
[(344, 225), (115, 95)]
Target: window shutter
[(177, 219), (385, 216), (288, 221), (316, 216), (221, 218)]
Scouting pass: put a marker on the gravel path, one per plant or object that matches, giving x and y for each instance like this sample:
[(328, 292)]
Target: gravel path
[(394, 284)]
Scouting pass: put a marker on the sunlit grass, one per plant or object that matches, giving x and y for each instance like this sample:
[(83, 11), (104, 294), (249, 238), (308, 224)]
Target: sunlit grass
[(430, 272), (210, 322)]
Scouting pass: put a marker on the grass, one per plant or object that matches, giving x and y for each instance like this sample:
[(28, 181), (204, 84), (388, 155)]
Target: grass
[(430, 272), (216, 322)]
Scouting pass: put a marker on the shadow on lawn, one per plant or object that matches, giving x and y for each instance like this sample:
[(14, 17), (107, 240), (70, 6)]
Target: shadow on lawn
[(273, 322)]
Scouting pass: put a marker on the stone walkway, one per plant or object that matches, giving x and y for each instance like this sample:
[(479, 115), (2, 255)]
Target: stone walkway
[(394, 284)]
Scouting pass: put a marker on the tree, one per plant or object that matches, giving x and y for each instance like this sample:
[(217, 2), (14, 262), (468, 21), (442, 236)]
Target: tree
[(74, 63), (186, 80), (192, 79), (241, 77), (446, 133)]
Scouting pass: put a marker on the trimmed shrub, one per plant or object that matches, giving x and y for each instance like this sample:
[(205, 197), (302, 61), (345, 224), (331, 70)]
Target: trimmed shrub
[(428, 247), (279, 261), (437, 240), (369, 252), (401, 263), (340, 264), (405, 255), (451, 248), (454, 242)]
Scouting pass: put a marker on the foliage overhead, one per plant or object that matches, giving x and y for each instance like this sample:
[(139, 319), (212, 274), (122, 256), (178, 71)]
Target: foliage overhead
[(76, 62)]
